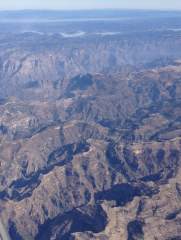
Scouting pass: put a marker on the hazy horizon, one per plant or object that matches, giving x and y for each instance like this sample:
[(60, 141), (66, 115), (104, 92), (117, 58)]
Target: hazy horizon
[(90, 9), (10, 5)]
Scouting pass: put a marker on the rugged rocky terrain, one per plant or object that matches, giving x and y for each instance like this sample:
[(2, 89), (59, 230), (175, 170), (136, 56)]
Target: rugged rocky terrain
[(90, 134)]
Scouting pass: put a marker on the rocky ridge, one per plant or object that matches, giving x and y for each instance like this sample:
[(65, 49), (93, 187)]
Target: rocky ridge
[(106, 151)]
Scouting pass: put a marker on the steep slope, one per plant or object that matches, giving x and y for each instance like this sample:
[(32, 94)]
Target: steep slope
[(39, 66), (106, 151)]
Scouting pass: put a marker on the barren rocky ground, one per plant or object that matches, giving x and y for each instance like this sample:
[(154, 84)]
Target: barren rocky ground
[(90, 135)]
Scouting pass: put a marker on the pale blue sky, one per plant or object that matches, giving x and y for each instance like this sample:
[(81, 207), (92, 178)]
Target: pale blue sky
[(89, 4)]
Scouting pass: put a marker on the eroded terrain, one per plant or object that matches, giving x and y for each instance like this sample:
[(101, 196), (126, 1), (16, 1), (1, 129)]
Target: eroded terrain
[(90, 134)]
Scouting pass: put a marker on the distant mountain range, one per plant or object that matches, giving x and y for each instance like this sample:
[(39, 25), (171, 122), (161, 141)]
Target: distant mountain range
[(86, 14), (90, 125)]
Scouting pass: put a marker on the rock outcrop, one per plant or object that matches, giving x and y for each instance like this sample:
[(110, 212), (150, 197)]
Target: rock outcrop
[(90, 135)]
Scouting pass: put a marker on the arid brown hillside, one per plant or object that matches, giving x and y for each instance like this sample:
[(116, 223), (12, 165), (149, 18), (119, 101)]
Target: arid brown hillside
[(91, 156), (35, 66), (90, 125)]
